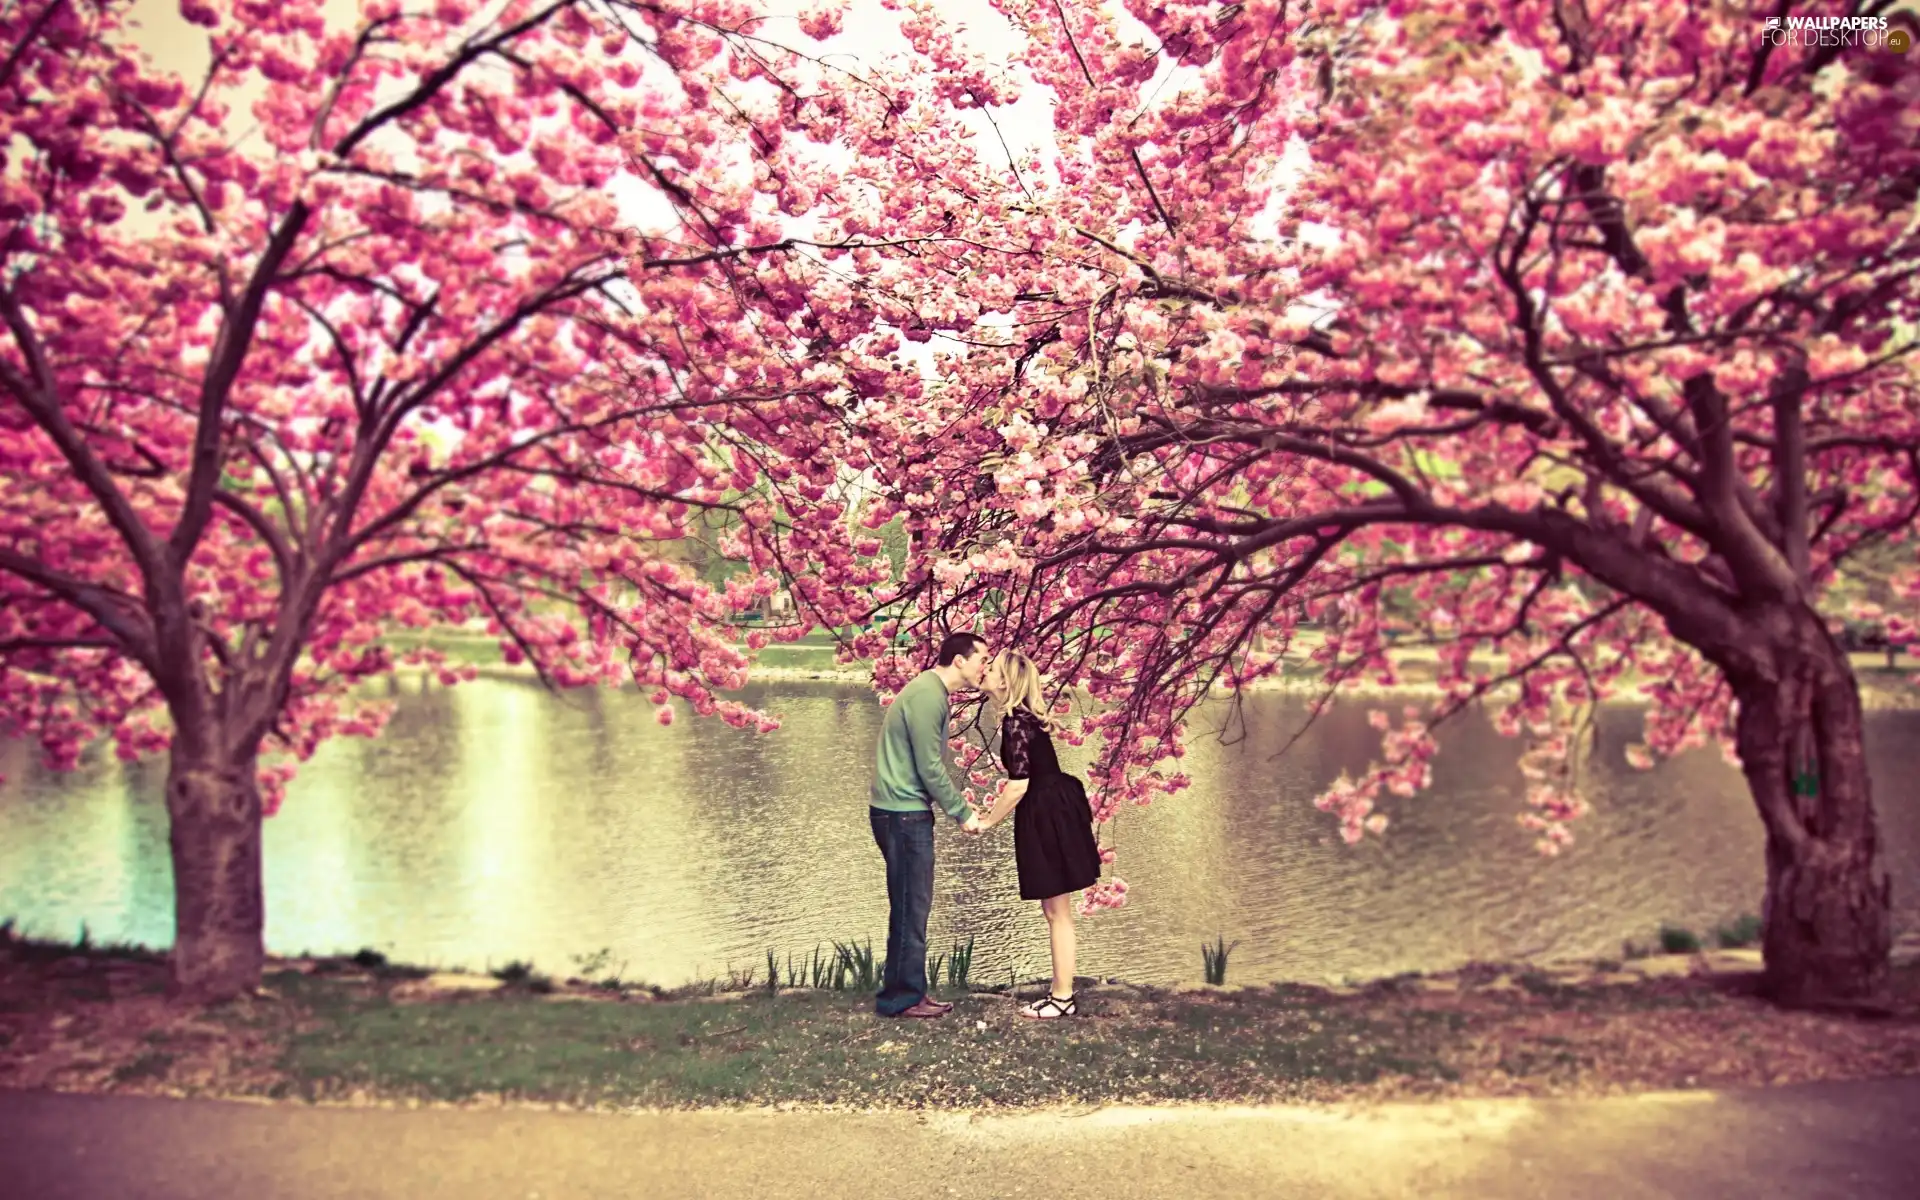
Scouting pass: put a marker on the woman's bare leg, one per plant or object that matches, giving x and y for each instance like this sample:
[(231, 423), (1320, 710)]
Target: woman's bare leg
[(1064, 942)]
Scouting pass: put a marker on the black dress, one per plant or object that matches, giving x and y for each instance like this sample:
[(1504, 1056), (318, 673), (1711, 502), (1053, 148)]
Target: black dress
[(1053, 843)]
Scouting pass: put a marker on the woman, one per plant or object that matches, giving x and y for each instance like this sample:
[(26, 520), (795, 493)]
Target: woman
[(1053, 839)]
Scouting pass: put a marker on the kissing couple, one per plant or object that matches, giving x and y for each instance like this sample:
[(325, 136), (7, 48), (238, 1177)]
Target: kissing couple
[(1054, 844)]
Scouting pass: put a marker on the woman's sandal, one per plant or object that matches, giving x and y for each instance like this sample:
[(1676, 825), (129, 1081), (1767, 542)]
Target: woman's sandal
[(1050, 1007)]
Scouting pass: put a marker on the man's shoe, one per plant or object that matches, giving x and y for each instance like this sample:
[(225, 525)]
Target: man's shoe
[(925, 1011)]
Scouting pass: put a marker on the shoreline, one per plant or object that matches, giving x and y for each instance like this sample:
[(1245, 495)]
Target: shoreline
[(1901, 694), (1474, 975), (1644, 962)]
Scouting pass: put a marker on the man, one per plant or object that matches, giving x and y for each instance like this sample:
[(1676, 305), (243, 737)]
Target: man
[(910, 777)]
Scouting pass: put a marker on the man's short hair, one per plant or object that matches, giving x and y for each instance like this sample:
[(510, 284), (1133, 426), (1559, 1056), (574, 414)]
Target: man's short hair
[(959, 645)]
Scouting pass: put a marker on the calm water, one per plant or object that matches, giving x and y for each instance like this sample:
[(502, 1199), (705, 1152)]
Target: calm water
[(494, 822)]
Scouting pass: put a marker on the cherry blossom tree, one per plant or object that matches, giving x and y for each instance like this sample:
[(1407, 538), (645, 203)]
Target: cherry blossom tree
[(1570, 340), (347, 334)]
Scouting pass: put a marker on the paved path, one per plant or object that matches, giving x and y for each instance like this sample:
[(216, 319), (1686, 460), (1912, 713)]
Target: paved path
[(1857, 1141)]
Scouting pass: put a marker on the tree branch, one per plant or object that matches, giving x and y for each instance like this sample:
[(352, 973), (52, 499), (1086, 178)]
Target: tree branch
[(40, 396), (230, 351), (26, 40), (257, 520), (117, 613), (1790, 470)]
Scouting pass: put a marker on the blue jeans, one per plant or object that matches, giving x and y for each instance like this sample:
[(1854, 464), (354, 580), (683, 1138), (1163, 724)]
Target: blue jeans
[(906, 843)]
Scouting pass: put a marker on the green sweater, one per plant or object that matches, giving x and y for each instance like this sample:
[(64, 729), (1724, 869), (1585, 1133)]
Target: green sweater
[(911, 768)]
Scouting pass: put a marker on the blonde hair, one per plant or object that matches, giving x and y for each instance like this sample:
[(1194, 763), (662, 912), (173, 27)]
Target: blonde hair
[(1023, 688)]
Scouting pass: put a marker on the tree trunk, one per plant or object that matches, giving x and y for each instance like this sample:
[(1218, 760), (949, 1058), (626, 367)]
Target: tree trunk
[(213, 806), (1827, 914)]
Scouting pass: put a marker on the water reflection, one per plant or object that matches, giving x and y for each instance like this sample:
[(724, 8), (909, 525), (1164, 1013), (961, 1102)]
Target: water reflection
[(494, 822)]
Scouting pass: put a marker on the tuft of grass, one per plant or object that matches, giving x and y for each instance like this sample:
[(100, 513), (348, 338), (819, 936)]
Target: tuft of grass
[(1743, 930), (861, 972), (1538, 982), (1678, 939), (826, 974), (807, 973), (517, 974), (600, 963), (597, 963), (960, 964), (151, 1065), (1213, 959), (371, 961)]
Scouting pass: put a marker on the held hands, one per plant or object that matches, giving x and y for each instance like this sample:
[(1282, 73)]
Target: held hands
[(972, 825)]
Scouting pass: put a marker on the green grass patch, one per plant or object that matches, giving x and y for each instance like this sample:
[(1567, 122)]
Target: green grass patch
[(959, 966), (812, 654), (521, 975), (803, 657), (153, 1065), (1678, 939), (1741, 932), (460, 649), (816, 1046)]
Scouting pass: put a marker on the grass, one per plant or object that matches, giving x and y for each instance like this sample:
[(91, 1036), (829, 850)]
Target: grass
[(959, 965), (813, 1046), (42, 951), (152, 1065), (800, 657), (336, 1029), (1678, 939), (1743, 931), (460, 648), (519, 974), (1213, 960), (850, 965), (812, 654), (820, 972), (859, 970), (596, 969)]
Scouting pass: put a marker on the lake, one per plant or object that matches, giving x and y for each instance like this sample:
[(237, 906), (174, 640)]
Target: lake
[(493, 822)]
